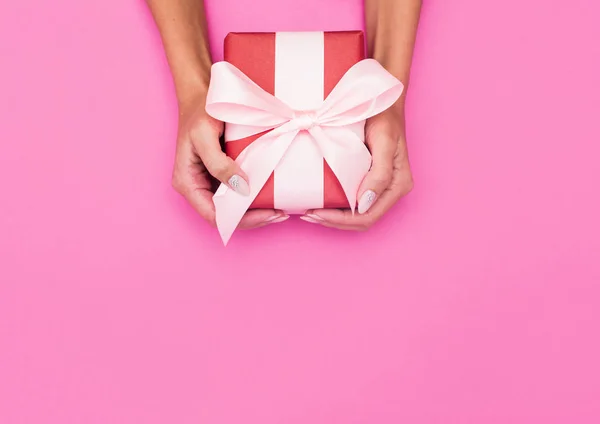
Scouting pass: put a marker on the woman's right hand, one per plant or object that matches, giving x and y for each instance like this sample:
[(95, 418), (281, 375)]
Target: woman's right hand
[(199, 160)]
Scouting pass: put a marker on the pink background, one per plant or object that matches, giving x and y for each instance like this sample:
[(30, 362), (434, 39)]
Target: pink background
[(474, 301)]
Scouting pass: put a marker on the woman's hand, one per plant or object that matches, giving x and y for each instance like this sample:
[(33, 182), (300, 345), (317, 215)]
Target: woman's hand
[(199, 157), (391, 33), (388, 180)]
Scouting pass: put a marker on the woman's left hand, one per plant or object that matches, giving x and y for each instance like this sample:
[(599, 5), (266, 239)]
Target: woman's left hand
[(388, 180)]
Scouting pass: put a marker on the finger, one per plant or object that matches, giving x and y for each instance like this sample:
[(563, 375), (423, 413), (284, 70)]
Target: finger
[(257, 218), (314, 217), (201, 201), (344, 219), (191, 181), (383, 147), (218, 164)]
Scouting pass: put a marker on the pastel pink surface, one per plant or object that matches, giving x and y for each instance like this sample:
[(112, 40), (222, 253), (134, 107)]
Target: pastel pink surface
[(474, 301)]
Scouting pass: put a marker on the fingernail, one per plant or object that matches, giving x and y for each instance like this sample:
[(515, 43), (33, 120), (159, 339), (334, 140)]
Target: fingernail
[(313, 219), (239, 185), (366, 201), (276, 219)]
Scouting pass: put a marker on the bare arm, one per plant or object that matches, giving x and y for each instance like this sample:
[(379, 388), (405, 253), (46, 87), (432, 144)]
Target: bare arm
[(391, 32), (182, 26)]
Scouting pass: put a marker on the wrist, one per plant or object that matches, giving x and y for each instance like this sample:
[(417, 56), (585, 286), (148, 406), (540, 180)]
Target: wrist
[(394, 62), (191, 87), (397, 109), (391, 30), (191, 79)]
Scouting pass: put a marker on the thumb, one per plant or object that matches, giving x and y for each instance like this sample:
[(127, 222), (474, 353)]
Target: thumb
[(221, 166), (378, 179)]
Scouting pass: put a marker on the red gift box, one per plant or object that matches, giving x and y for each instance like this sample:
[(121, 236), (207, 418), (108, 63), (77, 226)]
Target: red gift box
[(295, 106), (254, 54)]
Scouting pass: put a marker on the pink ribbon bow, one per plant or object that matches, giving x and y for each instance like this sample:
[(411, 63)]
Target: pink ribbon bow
[(367, 89)]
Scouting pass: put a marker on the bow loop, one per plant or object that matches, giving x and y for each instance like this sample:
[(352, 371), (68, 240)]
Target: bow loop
[(366, 90), (234, 98)]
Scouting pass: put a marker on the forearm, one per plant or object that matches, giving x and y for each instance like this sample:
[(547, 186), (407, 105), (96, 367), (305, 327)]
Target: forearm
[(391, 32), (182, 26)]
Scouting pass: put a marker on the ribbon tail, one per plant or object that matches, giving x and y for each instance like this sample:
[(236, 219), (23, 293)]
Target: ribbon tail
[(346, 155), (258, 161)]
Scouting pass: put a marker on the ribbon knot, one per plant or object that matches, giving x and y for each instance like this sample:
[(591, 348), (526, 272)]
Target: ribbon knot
[(303, 121), (364, 91)]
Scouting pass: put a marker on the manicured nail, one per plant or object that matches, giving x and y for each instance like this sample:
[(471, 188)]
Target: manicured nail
[(239, 185), (313, 219), (366, 201), (276, 219)]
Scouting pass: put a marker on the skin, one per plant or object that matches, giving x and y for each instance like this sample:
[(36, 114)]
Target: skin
[(391, 32)]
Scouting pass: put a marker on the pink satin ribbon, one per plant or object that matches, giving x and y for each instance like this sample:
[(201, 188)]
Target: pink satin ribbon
[(367, 89)]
